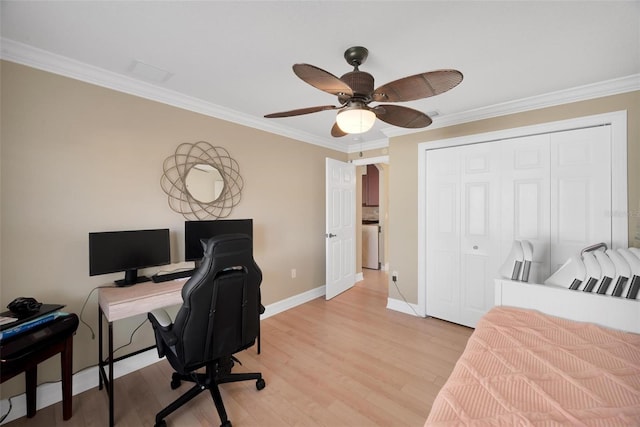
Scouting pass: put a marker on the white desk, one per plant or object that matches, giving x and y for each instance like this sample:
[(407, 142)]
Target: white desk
[(116, 303), (121, 302)]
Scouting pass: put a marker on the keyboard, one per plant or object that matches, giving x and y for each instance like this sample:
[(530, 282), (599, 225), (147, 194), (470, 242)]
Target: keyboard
[(158, 278)]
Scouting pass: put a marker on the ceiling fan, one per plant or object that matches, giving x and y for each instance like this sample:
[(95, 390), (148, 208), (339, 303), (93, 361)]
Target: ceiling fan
[(355, 91)]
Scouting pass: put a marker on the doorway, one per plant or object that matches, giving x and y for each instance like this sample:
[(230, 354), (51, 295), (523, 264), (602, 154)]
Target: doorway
[(374, 215)]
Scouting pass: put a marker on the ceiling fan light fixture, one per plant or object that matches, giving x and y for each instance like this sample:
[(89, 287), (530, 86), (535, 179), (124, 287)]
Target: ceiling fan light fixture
[(355, 120), (355, 90)]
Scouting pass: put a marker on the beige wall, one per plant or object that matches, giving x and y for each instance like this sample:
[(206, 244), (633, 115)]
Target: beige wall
[(78, 158), (403, 181)]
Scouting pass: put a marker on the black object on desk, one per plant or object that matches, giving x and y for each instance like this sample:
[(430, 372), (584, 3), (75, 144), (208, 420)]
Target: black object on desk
[(23, 318), (23, 353), (158, 278)]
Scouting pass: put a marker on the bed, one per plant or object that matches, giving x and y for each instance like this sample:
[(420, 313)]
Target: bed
[(525, 367)]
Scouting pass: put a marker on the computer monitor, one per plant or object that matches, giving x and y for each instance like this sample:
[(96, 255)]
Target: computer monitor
[(115, 251), (195, 231)]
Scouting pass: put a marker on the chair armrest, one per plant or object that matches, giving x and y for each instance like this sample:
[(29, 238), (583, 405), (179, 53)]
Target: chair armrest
[(162, 327), (161, 318)]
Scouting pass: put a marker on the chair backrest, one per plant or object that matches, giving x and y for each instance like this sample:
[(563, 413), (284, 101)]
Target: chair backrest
[(220, 313)]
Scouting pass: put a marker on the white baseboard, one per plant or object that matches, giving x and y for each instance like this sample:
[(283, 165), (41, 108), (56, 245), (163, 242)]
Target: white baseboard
[(359, 277), (51, 393), (296, 300), (404, 307)]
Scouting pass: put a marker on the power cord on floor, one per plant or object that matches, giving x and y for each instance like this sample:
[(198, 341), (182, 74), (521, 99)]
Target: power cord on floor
[(394, 279), (2, 418)]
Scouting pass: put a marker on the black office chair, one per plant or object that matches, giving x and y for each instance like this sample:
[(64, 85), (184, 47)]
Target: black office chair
[(220, 316)]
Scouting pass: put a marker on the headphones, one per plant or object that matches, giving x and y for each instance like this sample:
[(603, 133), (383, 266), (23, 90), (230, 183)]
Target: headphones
[(24, 305)]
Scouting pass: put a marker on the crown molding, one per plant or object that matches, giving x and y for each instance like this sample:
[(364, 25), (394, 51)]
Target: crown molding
[(580, 93), (43, 60), (38, 58)]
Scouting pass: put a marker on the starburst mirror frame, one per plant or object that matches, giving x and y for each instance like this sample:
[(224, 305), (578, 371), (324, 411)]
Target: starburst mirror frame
[(201, 181)]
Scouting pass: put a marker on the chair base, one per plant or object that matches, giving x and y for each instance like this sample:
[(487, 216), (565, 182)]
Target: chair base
[(215, 374)]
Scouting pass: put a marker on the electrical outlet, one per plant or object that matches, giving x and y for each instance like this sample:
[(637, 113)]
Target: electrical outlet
[(293, 273), (394, 276)]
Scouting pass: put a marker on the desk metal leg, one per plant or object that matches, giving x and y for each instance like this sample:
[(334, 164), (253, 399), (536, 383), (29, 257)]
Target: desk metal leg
[(110, 388), (103, 378), (100, 359)]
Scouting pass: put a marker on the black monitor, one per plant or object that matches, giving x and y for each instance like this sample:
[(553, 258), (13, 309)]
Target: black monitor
[(115, 251), (194, 231)]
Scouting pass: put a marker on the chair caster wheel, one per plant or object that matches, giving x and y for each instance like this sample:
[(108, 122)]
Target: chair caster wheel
[(260, 384), (175, 381), (162, 423)]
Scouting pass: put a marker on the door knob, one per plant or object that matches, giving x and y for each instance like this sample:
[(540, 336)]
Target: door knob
[(330, 235)]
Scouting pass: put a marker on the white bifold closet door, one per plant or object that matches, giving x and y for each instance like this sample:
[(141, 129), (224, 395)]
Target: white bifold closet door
[(553, 190), (580, 191), (463, 186)]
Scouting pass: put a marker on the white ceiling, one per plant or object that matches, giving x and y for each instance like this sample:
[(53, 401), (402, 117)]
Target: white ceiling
[(232, 59)]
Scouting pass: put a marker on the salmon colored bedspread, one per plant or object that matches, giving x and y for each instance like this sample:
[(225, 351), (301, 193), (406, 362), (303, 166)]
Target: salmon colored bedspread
[(522, 367)]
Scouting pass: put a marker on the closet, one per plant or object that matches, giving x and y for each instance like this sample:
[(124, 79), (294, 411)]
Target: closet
[(552, 189)]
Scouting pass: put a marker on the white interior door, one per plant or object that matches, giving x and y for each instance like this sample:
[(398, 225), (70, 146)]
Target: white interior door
[(340, 226)]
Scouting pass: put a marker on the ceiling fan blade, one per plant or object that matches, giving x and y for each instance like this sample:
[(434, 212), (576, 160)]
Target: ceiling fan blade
[(336, 131), (402, 116), (419, 86), (321, 79), (301, 111)]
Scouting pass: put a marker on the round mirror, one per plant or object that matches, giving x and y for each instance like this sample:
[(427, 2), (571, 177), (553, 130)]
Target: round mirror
[(204, 182)]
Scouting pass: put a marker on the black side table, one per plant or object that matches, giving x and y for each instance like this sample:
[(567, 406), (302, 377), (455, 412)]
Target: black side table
[(23, 352)]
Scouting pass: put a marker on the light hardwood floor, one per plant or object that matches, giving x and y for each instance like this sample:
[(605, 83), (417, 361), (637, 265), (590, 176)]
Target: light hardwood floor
[(344, 362)]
